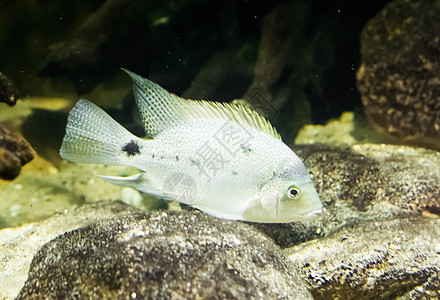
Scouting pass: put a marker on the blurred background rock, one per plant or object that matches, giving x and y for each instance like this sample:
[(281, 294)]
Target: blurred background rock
[(399, 77)]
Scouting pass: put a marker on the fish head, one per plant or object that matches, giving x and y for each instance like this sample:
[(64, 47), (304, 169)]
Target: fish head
[(286, 201), (288, 196)]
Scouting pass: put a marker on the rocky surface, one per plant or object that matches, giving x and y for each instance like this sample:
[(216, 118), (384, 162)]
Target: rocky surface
[(364, 182), (389, 259), (399, 78), (119, 252), (15, 152), (163, 255), (19, 245)]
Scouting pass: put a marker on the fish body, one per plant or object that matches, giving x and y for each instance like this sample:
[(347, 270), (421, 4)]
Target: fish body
[(223, 159)]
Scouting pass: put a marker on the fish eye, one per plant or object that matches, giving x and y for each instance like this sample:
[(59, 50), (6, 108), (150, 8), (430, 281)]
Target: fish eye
[(293, 192)]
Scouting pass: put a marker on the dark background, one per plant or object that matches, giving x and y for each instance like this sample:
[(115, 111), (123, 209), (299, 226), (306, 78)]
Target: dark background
[(172, 42)]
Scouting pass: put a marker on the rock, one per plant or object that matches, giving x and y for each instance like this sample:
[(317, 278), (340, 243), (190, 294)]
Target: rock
[(361, 183), (115, 35), (15, 152), (19, 245), (10, 165), (8, 91), (389, 259), (162, 255), (399, 78), (370, 174)]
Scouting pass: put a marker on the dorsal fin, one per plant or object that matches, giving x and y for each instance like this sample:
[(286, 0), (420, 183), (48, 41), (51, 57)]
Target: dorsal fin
[(161, 109)]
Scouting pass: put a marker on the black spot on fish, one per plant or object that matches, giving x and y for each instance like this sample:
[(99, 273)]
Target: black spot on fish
[(132, 148), (195, 162), (177, 158), (246, 149)]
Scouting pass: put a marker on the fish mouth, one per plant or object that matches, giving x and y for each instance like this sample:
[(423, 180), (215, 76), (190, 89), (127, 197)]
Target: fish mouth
[(313, 213), (303, 217)]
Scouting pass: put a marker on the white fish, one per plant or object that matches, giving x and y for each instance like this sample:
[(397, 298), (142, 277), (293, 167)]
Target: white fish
[(223, 159)]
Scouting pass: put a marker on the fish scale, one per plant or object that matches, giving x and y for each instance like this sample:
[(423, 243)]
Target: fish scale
[(223, 159)]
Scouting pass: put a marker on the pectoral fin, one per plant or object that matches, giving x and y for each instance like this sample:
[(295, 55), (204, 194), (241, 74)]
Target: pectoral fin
[(139, 182)]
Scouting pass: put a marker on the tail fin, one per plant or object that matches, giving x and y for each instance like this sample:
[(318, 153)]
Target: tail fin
[(92, 136)]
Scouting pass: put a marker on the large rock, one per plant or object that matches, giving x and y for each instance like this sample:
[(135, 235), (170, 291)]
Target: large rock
[(361, 183), (15, 152), (19, 245), (374, 260), (399, 78), (163, 255)]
